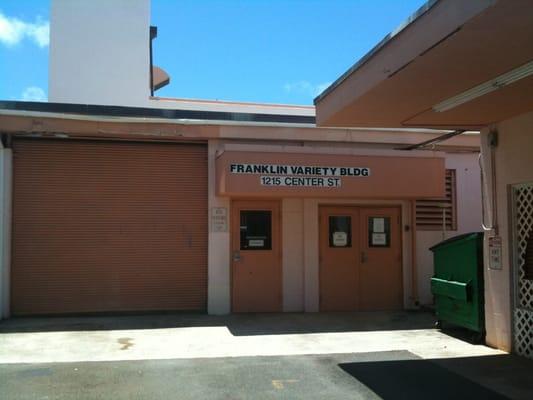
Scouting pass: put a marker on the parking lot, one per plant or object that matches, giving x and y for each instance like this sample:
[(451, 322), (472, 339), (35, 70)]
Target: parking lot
[(186, 356)]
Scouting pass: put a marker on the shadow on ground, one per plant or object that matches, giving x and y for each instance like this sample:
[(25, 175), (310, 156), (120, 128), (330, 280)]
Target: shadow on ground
[(237, 324), (447, 378), (416, 379)]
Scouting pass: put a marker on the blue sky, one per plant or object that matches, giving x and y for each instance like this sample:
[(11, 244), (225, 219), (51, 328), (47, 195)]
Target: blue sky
[(276, 51)]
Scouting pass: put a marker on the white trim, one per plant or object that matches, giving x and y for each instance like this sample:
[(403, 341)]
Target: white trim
[(144, 120)]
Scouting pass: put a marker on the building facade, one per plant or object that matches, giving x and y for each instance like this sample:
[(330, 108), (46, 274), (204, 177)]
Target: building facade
[(131, 214), (115, 200)]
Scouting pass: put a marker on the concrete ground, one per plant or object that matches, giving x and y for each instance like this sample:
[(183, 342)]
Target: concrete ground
[(311, 356)]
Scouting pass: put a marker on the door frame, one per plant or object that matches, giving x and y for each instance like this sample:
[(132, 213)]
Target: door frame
[(397, 206), (232, 241)]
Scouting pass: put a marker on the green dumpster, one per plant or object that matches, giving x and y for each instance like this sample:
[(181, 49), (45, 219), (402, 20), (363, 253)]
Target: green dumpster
[(458, 281)]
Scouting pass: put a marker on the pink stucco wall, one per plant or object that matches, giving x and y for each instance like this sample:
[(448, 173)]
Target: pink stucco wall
[(467, 174), (513, 165)]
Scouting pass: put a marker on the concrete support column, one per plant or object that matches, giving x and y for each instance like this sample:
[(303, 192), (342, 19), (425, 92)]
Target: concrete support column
[(6, 159), (218, 264), (293, 258), (311, 256), (497, 285)]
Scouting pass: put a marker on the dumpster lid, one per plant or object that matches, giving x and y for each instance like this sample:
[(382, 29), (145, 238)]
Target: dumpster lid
[(458, 238)]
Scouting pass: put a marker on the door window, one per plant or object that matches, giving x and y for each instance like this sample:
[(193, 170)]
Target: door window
[(256, 230), (340, 231), (378, 231)]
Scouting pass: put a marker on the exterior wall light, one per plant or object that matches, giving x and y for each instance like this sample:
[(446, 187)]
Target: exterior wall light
[(494, 84)]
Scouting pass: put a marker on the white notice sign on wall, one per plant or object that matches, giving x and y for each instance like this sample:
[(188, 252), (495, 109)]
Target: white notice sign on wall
[(340, 239), (219, 219), (495, 252)]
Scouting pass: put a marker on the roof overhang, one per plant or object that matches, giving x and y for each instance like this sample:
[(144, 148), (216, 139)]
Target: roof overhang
[(446, 51)]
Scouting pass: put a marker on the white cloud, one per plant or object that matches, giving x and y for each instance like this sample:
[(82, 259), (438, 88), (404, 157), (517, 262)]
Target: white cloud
[(33, 93), (13, 31), (306, 87)]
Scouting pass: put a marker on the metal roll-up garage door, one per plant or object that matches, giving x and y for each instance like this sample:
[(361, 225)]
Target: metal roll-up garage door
[(102, 226)]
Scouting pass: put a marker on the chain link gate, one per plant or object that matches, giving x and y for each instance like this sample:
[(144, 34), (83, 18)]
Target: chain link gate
[(523, 284)]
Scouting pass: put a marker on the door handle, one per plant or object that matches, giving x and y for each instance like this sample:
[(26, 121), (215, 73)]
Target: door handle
[(364, 257), (236, 256)]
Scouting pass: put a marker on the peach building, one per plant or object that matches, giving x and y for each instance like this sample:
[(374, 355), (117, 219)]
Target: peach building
[(119, 201), (464, 65), (132, 213)]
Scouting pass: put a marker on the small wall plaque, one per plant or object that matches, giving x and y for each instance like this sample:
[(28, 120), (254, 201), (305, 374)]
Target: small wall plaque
[(219, 219)]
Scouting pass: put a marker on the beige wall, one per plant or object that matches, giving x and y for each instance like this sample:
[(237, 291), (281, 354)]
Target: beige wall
[(292, 217), (468, 218), (513, 165)]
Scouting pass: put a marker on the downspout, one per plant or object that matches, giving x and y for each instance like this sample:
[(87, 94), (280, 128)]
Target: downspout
[(485, 227), (153, 35), (494, 196), (414, 269), (493, 212)]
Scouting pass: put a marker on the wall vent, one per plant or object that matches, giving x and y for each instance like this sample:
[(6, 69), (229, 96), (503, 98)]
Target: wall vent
[(432, 214)]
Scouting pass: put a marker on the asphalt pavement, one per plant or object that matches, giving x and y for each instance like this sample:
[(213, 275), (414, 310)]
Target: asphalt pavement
[(377, 375)]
